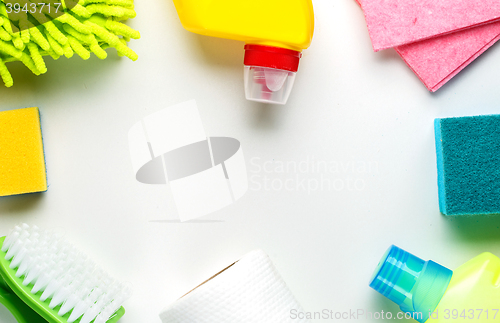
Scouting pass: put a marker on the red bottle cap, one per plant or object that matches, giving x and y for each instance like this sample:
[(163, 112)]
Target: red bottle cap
[(272, 57)]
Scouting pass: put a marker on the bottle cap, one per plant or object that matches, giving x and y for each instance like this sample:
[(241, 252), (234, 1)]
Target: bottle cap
[(412, 283), (270, 73), (272, 57)]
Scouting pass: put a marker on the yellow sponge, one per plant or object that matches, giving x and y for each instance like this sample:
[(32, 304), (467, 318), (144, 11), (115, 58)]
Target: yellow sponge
[(22, 162)]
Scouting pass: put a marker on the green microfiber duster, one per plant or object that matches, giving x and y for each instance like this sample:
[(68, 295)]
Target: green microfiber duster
[(85, 27)]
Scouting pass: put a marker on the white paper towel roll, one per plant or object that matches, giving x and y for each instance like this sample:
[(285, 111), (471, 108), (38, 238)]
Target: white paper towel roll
[(249, 291)]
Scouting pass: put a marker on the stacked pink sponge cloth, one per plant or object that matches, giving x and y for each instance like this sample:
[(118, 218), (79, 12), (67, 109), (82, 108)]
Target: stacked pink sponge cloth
[(436, 38)]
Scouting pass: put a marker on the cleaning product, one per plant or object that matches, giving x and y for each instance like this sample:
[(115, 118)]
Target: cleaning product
[(468, 160), (22, 161), (275, 33), (250, 290), (39, 29), (45, 279), (429, 292)]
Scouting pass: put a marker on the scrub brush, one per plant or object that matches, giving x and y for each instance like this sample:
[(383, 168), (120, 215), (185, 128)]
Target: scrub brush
[(36, 30), (45, 279)]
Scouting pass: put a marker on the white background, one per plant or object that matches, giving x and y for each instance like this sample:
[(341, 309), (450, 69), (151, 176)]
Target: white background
[(349, 105)]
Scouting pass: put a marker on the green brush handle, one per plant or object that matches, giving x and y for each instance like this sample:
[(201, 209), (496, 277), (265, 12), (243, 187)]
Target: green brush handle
[(22, 312), (26, 307)]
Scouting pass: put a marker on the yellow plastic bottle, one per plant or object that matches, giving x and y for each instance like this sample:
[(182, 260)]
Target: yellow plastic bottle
[(275, 33), (431, 293)]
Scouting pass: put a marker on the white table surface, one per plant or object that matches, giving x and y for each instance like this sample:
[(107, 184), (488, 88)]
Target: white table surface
[(364, 113)]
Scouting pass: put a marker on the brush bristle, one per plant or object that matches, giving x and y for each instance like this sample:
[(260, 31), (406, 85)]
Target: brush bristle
[(63, 275)]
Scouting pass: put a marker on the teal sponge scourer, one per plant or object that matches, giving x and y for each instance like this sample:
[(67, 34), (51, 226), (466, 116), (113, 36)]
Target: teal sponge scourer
[(468, 158)]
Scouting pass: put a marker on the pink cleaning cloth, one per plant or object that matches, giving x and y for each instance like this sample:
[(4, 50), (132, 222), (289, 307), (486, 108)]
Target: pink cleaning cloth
[(394, 23), (438, 60)]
